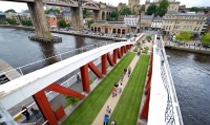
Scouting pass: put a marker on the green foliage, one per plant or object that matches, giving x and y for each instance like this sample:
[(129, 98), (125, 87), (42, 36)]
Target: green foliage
[(133, 91), (146, 48), (184, 36), (195, 9), (12, 21), (206, 39), (90, 22), (114, 14), (136, 49), (54, 11), (3, 22), (142, 9), (86, 14), (92, 104), (70, 100), (26, 23), (10, 10), (149, 37), (62, 23), (125, 11), (162, 8), (151, 9)]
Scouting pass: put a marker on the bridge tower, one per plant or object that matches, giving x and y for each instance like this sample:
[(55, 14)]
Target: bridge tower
[(77, 16), (42, 32)]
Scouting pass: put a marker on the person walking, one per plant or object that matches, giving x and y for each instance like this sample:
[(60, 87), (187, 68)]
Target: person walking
[(129, 71), (108, 110), (120, 88), (106, 119), (113, 123), (122, 77), (25, 112), (36, 113), (78, 78), (114, 92)]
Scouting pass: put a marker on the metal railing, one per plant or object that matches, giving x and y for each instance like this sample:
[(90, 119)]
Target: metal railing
[(172, 112), (25, 69)]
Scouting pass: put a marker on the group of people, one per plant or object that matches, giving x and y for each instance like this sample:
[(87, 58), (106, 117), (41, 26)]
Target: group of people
[(107, 117), (26, 113), (117, 89)]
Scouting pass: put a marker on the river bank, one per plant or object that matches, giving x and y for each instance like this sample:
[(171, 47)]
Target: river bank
[(67, 33)]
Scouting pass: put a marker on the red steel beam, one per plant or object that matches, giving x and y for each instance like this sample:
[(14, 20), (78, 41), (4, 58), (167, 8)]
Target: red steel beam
[(109, 57), (62, 90), (115, 56), (103, 63), (92, 66), (44, 106), (145, 109), (85, 78)]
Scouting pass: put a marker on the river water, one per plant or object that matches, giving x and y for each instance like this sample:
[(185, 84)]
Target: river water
[(191, 75), (191, 72)]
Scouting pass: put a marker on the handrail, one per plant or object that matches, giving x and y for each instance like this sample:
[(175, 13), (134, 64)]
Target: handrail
[(83, 49)]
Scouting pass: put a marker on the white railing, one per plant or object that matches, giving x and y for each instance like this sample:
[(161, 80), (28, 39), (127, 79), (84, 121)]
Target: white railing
[(173, 114), (25, 69)]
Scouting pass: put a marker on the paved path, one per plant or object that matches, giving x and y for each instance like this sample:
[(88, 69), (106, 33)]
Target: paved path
[(112, 101)]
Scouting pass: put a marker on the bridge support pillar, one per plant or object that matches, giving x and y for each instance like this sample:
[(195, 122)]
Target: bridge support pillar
[(42, 32), (115, 56), (97, 15), (103, 63), (43, 104), (77, 17), (145, 109), (85, 78)]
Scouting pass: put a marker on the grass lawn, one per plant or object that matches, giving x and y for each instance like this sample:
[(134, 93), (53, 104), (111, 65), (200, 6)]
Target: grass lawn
[(86, 113), (127, 110)]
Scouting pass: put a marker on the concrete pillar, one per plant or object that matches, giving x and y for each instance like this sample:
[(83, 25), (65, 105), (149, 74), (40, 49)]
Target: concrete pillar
[(97, 15), (77, 16), (39, 19)]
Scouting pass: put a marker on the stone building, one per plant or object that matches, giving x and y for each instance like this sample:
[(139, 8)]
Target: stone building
[(145, 23), (157, 23), (52, 21), (173, 5), (112, 27), (2, 17), (132, 21), (120, 5), (175, 22), (132, 3)]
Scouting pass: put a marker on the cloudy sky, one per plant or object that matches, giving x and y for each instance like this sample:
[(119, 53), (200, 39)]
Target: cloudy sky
[(22, 6)]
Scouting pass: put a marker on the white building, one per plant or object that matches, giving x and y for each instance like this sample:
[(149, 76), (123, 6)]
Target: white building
[(157, 23), (131, 20)]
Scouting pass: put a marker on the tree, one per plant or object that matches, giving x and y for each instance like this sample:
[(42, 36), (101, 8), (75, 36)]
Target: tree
[(10, 10), (54, 11), (184, 36), (206, 39), (62, 23), (162, 8), (151, 9), (86, 14), (11, 21), (195, 9), (125, 11), (142, 9), (26, 22), (90, 22)]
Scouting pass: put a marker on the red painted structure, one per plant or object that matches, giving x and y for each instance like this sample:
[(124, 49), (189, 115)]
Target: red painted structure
[(41, 99), (145, 109)]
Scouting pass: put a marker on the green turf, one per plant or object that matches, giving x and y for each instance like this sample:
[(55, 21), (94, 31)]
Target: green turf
[(127, 110), (86, 113)]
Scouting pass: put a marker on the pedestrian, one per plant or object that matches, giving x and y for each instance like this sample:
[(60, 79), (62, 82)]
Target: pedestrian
[(78, 78), (106, 119), (120, 88), (125, 70), (108, 110), (25, 112), (36, 113), (114, 92), (122, 77), (129, 71), (113, 123)]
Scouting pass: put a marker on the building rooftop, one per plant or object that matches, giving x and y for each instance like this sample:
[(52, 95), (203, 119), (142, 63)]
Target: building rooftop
[(147, 17), (158, 19), (131, 16)]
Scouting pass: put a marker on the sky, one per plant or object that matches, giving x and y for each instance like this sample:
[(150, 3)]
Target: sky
[(22, 6)]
